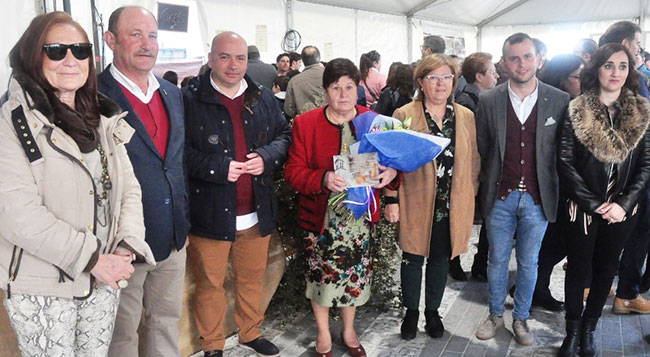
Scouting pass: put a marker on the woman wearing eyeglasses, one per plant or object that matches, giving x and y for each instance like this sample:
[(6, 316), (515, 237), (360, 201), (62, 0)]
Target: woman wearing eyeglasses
[(435, 204), (70, 211)]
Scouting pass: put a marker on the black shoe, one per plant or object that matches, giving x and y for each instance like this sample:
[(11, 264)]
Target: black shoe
[(434, 325), (571, 342), (410, 324), (548, 303), (262, 346), (213, 353), (479, 275), (456, 271), (587, 345), (511, 291)]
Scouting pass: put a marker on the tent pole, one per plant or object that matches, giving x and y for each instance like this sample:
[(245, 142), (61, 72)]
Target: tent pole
[(288, 14), (479, 39), (99, 57), (66, 7), (409, 38)]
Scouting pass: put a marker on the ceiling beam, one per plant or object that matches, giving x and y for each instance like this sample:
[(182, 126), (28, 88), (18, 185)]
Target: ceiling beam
[(419, 7), (352, 7), (501, 13)]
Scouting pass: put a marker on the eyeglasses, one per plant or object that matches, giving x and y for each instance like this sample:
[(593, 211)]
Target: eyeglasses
[(575, 77), (437, 78), (423, 47), (492, 73), (58, 51)]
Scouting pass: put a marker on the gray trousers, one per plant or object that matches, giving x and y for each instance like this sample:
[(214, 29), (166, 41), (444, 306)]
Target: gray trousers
[(159, 290), (52, 326)]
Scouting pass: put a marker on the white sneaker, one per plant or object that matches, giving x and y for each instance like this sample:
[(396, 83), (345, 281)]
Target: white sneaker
[(488, 329)]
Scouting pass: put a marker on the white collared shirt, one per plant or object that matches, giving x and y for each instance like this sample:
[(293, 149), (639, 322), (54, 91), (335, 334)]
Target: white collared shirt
[(242, 88), (248, 220), (152, 87), (523, 107)]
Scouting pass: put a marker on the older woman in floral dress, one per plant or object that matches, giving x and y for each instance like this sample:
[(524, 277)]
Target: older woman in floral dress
[(338, 249)]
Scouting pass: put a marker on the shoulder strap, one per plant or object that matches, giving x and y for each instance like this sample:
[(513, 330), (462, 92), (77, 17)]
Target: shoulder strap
[(25, 135), (370, 90)]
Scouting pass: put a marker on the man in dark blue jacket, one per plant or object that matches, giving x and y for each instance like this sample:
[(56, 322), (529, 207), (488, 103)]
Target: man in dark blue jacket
[(155, 111), (236, 138)]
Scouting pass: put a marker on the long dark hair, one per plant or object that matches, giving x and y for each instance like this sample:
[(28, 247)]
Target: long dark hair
[(26, 59), (589, 76), (560, 68), (366, 61)]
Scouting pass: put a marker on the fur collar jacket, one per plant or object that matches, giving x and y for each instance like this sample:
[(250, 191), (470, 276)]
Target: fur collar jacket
[(591, 146), (592, 126)]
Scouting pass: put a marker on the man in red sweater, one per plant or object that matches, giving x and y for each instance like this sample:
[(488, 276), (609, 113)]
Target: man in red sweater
[(236, 137)]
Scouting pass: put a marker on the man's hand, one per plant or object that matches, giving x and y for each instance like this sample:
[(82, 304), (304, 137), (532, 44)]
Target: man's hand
[(334, 182), (236, 169), (255, 164)]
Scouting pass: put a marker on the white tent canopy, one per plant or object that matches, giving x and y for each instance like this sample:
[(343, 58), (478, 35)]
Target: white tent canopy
[(346, 28)]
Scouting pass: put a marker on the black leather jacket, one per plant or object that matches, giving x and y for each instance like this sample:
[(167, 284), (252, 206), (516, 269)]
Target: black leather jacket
[(589, 145)]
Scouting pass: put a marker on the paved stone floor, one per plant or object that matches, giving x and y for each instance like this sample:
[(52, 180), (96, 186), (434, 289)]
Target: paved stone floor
[(464, 306)]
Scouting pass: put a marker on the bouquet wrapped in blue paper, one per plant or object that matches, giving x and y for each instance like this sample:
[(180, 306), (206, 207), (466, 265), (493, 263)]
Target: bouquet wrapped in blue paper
[(396, 147)]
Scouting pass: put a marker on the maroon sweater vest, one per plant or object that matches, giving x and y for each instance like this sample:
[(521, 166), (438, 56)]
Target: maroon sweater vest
[(245, 193), (519, 163), (154, 117)]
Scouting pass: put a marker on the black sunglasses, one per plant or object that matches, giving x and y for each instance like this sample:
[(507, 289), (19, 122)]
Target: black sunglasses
[(58, 51)]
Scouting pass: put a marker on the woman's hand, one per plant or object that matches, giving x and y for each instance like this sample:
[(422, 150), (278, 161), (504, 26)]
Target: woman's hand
[(612, 212), (385, 177), (111, 268), (334, 182), (391, 212)]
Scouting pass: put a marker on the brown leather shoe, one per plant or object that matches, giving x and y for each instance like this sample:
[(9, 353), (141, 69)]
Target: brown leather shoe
[(625, 306), (358, 351)]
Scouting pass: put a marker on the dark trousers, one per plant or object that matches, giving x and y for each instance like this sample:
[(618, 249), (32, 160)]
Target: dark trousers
[(552, 252), (436, 270), (596, 252), (634, 253), (480, 258)]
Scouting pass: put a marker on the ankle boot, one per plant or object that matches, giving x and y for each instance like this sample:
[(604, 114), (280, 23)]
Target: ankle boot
[(410, 324), (434, 325), (571, 342), (587, 346)]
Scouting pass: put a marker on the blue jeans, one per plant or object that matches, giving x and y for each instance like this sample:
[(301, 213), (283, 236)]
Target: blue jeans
[(517, 214)]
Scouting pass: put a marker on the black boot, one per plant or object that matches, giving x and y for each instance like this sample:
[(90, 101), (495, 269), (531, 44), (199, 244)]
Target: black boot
[(410, 324), (434, 325), (456, 271), (587, 346), (571, 342)]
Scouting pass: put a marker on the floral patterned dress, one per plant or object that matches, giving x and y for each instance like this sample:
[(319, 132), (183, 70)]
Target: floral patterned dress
[(339, 259)]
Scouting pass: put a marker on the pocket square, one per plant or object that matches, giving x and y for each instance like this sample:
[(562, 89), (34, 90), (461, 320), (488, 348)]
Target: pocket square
[(549, 121)]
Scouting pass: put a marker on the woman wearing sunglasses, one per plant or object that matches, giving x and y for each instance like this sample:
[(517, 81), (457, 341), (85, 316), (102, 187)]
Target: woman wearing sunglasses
[(70, 211), (435, 207)]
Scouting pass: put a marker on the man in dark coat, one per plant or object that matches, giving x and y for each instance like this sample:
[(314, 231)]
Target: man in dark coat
[(155, 110), (516, 126), (236, 138), (259, 71)]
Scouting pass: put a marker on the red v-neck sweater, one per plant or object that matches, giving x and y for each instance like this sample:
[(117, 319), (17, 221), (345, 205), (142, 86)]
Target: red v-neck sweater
[(154, 117), (245, 194)]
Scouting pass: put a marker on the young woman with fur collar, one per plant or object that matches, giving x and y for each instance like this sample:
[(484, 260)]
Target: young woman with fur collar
[(604, 165)]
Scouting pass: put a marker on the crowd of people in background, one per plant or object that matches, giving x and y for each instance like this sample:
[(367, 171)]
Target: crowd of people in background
[(109, 182)]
